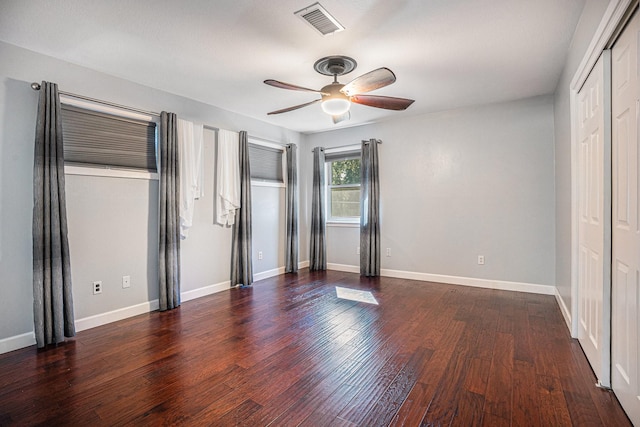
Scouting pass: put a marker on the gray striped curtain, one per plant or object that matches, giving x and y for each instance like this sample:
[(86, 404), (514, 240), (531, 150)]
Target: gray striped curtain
[(318, 245), (241, 268), (52, 296), (169, 253), (291, 250), (369, 210)]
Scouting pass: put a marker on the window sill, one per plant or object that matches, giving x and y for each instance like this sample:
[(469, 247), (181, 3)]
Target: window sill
[(257, 183), (343, 224), (109, 173)]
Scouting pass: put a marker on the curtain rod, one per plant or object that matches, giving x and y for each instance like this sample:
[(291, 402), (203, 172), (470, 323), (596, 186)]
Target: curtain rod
[(349, 145), (268, 141), (280, 144), (36, 86)]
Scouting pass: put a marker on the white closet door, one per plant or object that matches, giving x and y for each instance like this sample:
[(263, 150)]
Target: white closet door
[(626, 222), (594, 221)]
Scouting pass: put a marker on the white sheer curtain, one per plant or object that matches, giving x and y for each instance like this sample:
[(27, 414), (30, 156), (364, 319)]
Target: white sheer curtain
[(227, 177), (191, 171)]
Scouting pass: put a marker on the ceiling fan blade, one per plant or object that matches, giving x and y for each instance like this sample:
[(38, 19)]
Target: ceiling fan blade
[(295, 107), (386, 102), (370, 81), (283, 85), (341, 117)]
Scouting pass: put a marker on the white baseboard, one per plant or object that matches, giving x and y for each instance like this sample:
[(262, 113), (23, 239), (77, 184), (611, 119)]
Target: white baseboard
[(472, 281), (455, 280), (343, 267), (269, 273), (145, 307), (17, 342), (303, 264), (203, 292), (563, 309), (115, 315)]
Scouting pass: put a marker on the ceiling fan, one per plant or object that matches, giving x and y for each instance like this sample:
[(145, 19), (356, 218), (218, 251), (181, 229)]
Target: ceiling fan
[(336, 98)]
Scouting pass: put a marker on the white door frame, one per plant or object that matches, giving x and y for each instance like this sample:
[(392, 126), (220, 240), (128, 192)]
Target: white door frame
[(611, 19)]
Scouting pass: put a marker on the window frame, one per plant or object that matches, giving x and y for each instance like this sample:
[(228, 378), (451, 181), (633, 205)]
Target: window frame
[(107, 171), (335, 155)]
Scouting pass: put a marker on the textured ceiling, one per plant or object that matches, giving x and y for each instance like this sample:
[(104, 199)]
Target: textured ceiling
[(445, 53)]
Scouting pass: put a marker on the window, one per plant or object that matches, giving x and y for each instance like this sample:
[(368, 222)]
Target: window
[(101, 136), (265, 163), (343, 187)]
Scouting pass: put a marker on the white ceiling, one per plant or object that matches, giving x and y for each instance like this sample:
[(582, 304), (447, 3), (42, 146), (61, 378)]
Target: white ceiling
[(445, 53)]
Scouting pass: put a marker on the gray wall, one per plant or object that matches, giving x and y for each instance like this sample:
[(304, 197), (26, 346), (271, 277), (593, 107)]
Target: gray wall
[(268, 227), (589, 21), (458, 184), (112, 232), (112, 220)]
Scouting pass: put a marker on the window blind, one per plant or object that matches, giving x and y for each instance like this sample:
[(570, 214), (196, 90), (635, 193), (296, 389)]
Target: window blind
[(265, 163), (341, 155), (98, 139)]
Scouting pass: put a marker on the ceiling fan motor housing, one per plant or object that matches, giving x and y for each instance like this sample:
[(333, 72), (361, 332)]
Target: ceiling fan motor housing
[(333, 91), (335, 65)]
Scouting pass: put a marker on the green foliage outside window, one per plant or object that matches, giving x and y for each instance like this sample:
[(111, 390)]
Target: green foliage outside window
[(345, 188), (345, 172)]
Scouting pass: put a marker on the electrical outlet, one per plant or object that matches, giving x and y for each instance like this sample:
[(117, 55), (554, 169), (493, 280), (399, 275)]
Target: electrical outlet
[(388, 251), (259, 254), (126, 281), (97, 287), (480, 259), (357, 250)]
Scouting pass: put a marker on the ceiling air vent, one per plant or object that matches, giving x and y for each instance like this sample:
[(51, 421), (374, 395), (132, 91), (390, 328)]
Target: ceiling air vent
[(318, 17)]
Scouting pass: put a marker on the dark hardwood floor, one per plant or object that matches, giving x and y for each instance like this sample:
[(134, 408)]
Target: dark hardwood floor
[(288, 352)]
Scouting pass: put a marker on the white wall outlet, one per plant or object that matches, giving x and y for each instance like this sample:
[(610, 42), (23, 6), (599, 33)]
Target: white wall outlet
[(480, 259), (97, 287), (388, 251), (259, 254), (126, 281), (357, 250)]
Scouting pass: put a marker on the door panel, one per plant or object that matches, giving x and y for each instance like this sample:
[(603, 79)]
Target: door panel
[(594, 222), (625, 376)]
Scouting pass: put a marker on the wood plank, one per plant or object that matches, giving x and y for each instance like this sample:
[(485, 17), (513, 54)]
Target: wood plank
[(387, 406), (470, 410), (553, 406), (444, 375), (498, 397), (477, 376), (525, 396)]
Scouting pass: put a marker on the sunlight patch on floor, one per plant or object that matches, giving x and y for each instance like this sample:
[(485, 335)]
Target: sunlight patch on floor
[(356, 295)]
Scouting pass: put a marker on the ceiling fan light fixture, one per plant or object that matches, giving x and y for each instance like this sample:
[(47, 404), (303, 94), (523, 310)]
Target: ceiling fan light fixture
[(334, 102), (335, 106)]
